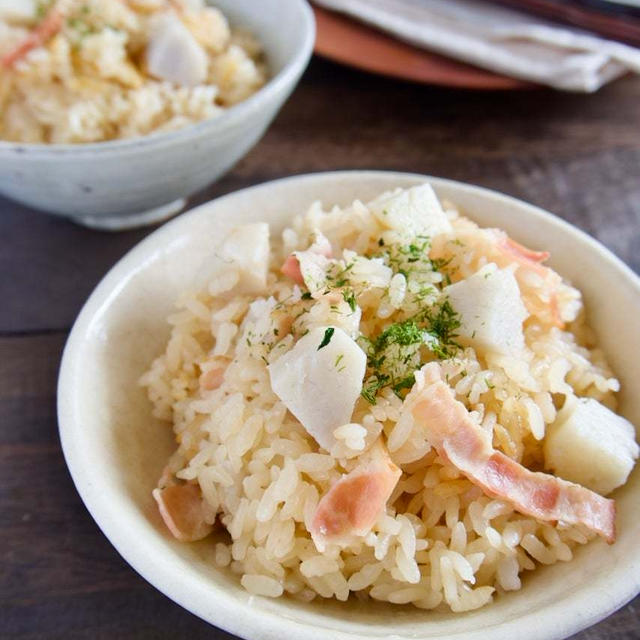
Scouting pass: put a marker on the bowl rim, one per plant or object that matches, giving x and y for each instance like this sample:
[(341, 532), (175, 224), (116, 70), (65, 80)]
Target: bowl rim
[(230, 118), (219, 609)]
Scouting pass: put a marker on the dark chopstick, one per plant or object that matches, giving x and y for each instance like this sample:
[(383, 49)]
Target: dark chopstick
[(611, 19)]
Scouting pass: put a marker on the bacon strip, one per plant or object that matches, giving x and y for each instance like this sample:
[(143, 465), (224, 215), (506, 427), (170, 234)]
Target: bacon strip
[(459, 440), (353, 504), (524, 255), (214, 377), (291, 269), (50, 25), (182, 510), (532, 260)]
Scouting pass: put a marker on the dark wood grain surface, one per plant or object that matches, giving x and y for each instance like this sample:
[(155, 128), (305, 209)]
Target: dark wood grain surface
[(576, 155)]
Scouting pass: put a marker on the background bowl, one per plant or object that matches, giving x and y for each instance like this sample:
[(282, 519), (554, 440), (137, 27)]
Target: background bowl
[(115, 451), (125, 183)]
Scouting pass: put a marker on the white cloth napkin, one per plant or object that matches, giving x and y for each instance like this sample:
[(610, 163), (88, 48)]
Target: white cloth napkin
[(502, 40)]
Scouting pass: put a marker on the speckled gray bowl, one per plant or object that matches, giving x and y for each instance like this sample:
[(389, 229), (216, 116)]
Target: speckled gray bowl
[(126, 183)]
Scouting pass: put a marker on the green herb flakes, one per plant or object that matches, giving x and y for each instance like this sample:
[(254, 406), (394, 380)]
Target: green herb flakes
[(328, 334), (350, 298), (399, 351)]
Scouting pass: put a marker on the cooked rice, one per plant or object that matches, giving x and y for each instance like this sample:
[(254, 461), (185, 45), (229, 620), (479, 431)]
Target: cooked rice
[(441, 541), (89, 82)]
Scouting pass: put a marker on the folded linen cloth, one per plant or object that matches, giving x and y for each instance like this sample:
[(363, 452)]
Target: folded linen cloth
[(500, 39)]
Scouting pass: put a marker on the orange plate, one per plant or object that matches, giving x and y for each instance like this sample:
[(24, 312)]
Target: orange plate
[(344, 40)]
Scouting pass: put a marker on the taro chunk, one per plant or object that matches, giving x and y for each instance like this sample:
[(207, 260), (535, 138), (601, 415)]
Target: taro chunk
[(592, 446), (411, 212), (173, 54), (491, 310), (310, 267), (319, 381), (313, 270), (247, 247)]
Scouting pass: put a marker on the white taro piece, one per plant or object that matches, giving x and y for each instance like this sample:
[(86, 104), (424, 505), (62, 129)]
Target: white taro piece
[(491, 310), (592, 446), (173, 54), (320, 384), (412, 212), (247, 247)]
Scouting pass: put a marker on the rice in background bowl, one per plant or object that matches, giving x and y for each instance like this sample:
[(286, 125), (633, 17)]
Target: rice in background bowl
[(119, 184), (135, 456), (112, 70)]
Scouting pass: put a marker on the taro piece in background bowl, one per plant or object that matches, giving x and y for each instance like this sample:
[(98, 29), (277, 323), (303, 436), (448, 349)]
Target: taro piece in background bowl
[(116, 451), (121, 184)]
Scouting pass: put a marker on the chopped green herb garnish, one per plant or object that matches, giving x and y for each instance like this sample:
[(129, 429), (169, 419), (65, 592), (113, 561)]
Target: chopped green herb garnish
[(440, 263), (350, 298), (443, 321), (396, 353), (42, 7), (306, 295), (409, 258), (424, 292), (339, 278), (402, 333), (328, 334), (371, 387), (405, 383), (392, 358)]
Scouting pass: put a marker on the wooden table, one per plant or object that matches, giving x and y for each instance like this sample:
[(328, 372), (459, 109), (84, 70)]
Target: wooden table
[(576, 155)]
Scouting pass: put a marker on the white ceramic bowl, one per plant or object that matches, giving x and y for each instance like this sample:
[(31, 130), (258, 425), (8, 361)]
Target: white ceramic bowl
[(125, 183), (115, 451)]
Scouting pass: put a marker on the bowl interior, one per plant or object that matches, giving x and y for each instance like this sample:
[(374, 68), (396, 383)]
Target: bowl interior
[(116, 451)]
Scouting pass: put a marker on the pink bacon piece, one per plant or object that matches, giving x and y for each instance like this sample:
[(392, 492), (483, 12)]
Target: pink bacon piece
[(353, 504), (50, 25), (524, 255), (291, 269), (459, 440), (529, 259), (182, 510), (212, 378)]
